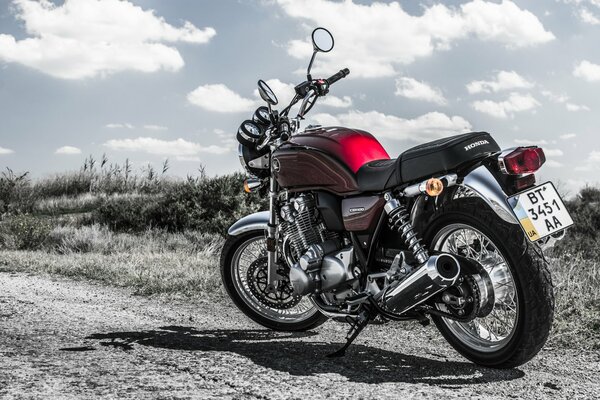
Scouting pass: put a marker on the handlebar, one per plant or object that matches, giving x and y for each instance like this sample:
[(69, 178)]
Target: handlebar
[(336, 77)]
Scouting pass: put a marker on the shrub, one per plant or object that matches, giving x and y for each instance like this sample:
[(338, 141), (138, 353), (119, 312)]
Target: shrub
[(133, 213), (24, 232)]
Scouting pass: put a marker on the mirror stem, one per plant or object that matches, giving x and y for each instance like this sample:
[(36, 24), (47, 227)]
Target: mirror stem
[(312, 59)]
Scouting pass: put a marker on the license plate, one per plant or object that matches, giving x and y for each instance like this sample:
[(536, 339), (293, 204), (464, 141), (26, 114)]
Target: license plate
[(540, 211)]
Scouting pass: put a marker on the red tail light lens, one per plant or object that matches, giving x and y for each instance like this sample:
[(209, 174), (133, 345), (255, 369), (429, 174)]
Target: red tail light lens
[(523, 160)]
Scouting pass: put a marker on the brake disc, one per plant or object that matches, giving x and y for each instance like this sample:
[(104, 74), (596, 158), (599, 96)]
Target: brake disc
[(282, 298)]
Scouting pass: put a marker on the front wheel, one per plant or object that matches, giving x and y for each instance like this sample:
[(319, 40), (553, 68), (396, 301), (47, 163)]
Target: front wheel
[(520, 316), (244, 275)]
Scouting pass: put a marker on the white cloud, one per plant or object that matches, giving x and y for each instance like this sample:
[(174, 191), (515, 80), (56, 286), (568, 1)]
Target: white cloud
[(220, 98), (504, 80), (588, 71), (86, 38), (175, 148), (553, 164), (515, 103), (418, 90), (568, 136), (119, 126), (68, 150), (4, 151), (591, 163), (588, 17), (553, 152), (530, 142), (152, 127), (556, 98), (576, 107), (335, 102), (429, 126), (373, 39)]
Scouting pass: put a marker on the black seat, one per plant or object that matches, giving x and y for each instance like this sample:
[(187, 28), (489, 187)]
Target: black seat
[(425, 160)]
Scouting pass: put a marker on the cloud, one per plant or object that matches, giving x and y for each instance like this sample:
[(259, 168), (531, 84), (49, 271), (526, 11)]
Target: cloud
[(553, 164), (568, 136), (151, 127), (68, 150), (588, 71), (4, 151), (175, 148), (87, 38), (588, 17), (576, 107), (591, 163), (418, 90), (429, 126), (553, 152), (119, 126), (220, 98), (373, 39), (504, 80), (515, 103), (556, 98), (530, 142)]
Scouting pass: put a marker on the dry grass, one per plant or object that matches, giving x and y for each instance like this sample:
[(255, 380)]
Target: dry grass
[(577, 312), (151, 263)]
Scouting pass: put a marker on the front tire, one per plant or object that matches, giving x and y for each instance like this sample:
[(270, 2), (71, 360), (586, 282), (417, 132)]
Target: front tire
[(243, 272), (531, 297)]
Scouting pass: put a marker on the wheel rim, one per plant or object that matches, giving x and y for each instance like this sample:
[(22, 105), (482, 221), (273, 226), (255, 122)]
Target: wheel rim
[(494, 331), (248, 286)]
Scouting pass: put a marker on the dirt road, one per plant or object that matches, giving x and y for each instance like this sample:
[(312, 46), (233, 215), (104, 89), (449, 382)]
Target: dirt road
[(65, 339)]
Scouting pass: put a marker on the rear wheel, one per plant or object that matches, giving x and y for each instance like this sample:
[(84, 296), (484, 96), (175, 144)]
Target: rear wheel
[(521, 304), (244, 275)]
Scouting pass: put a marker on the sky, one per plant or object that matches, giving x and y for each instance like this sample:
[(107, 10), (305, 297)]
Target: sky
[(154, 80)]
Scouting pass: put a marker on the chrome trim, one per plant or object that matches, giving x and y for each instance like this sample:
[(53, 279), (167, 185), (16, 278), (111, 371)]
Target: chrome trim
[(252, 222), (482, 182), (419, 188)]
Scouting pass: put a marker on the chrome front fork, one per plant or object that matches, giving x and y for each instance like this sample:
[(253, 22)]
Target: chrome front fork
[(272, 257)]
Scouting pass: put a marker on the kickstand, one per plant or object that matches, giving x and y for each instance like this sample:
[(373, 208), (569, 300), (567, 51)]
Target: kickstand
[(356, 327)]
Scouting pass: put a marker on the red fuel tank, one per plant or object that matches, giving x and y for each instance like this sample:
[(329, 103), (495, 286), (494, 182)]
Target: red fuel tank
[(325, 158)]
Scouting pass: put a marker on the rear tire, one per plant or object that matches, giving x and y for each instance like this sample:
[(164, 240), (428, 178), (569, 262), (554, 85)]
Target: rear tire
[(530, 274), (247, 302)]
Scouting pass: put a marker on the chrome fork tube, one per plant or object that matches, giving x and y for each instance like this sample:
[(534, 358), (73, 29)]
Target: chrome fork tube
[(272, 275)]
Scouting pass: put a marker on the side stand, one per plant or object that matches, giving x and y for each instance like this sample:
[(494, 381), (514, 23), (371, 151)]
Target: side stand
[(356, 327)]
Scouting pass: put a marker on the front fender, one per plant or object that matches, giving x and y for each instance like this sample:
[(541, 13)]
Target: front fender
[(484, 184), (252, 222)]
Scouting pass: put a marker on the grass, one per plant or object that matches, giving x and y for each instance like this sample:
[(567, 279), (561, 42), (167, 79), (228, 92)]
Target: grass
[(151, 263)]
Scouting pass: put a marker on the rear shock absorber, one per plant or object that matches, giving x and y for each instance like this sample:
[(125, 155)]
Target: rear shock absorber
[(399, 220)]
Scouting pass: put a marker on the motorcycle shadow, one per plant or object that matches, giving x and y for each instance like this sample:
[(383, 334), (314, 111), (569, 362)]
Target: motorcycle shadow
[(275, 350)]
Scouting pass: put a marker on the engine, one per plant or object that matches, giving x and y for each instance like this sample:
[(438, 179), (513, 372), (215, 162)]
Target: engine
[(319, 260)]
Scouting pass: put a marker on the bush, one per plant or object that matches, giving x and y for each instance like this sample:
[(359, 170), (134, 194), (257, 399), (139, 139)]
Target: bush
[(24, 232), (584, 237), (133, 213)]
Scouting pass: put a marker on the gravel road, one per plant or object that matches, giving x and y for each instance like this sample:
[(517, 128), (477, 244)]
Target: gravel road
[(66, 339)]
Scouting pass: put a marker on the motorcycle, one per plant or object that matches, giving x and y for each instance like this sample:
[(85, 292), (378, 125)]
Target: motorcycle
[(451, 231)]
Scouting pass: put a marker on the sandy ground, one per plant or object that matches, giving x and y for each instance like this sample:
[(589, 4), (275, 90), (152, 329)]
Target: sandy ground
[(66, 339)]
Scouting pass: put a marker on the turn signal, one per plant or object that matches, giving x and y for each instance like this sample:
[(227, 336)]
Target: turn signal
[(252, 184), (434, 187)]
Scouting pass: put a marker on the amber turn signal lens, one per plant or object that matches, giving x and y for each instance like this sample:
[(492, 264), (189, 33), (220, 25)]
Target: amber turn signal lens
[(434, 187), (246, 186)]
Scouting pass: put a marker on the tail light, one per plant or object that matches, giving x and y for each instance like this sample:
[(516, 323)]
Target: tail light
[(522, 160)]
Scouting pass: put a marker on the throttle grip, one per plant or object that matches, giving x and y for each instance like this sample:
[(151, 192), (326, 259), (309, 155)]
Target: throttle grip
[(336, 77)]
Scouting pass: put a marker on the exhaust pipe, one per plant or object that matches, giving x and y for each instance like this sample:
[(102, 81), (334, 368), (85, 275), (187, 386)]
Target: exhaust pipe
[(437, 273)]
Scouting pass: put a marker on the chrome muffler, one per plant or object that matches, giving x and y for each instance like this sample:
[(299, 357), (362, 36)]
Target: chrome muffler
[(436, 274)]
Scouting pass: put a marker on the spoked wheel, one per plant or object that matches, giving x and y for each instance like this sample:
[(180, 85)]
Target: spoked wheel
[(244, 274), (494, 330), (518, 302)]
